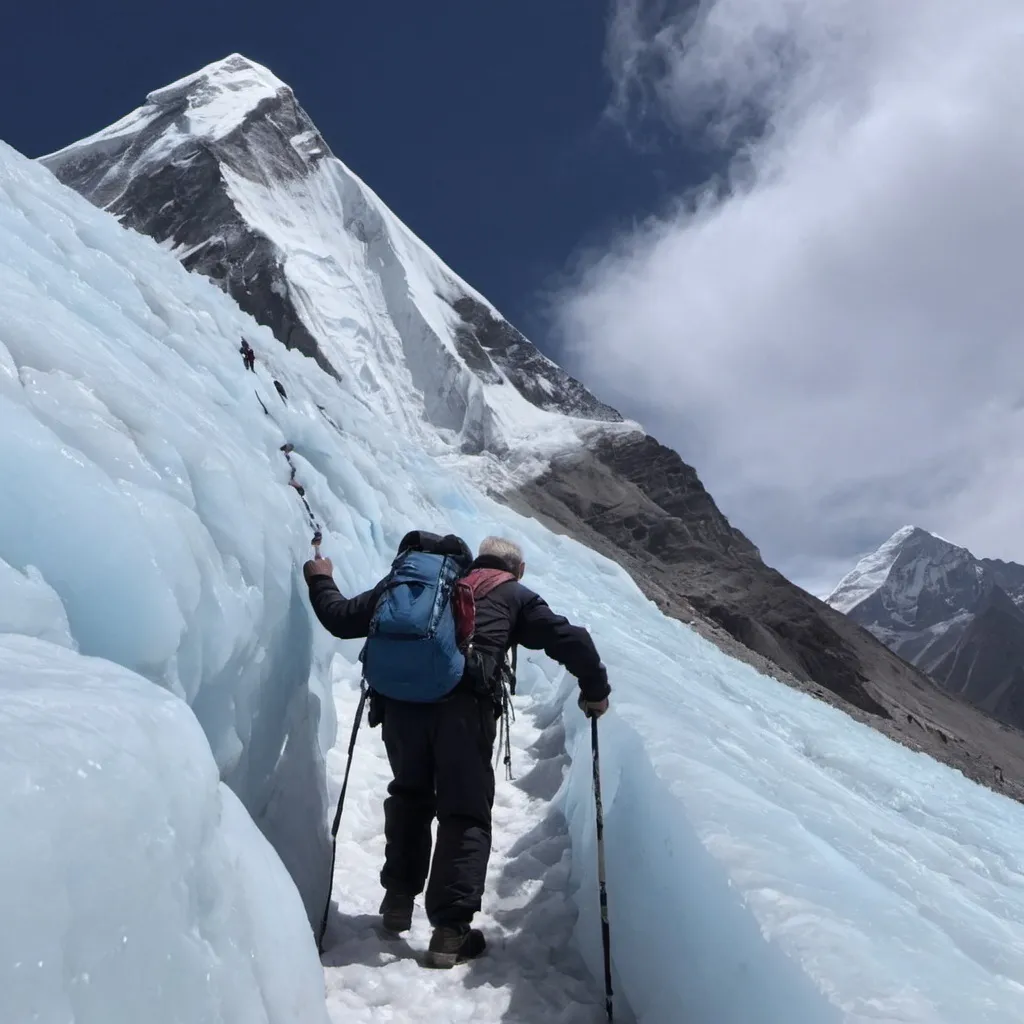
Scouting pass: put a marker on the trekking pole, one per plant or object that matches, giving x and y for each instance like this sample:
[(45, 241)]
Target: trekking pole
[(606, 937), (337, 813)]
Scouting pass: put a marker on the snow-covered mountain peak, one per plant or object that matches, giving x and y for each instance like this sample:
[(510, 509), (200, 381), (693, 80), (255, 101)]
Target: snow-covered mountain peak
[(957, 617), (919, 579), (227, 170), (871, 572), (216, 99), (207, 105)]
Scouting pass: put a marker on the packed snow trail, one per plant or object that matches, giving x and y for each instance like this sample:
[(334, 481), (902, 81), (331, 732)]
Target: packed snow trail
[(532, 971), (769, 859)]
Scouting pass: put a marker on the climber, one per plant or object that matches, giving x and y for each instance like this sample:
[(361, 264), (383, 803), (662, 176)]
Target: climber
[(248, 356), (440, 750)]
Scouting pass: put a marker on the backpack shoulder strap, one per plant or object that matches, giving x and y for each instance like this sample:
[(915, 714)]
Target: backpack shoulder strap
[(483, 581)]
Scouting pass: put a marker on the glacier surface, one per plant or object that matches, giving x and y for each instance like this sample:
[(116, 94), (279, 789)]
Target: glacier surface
[(769, 859)]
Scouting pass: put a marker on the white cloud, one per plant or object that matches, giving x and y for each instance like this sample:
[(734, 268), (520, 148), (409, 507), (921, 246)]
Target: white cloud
[(837, 343)]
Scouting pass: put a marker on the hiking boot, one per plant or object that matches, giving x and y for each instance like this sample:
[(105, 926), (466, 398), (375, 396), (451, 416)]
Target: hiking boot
[(396, 912), (451, 946)]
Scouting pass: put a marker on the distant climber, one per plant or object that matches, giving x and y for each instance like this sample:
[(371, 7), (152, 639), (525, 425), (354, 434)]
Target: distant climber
[(440, 742), (280, 391), (248, 356)]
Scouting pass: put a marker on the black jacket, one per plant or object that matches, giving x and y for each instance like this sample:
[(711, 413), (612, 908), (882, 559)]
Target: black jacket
[(510, 614)]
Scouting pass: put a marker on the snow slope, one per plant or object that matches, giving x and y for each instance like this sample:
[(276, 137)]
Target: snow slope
[(769, 859)]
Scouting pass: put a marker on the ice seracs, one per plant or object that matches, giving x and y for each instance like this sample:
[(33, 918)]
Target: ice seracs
[(144, 517)]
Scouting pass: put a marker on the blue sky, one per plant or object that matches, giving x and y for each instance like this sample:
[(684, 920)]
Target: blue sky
[(480, 124)]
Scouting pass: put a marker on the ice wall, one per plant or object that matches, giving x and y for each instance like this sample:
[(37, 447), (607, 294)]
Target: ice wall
[(771, 860), (144, 508), (134, 885)]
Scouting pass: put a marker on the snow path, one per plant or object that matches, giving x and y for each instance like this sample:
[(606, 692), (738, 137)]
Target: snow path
[(532, 970)]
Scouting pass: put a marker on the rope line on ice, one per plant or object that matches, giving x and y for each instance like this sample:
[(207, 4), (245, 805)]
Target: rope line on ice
[(249, 361), (318, 537)]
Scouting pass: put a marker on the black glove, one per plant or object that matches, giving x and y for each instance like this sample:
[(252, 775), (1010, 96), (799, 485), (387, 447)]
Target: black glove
[(593, 708)]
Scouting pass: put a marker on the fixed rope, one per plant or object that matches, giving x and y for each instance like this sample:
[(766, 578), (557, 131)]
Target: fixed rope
[(293, 482)]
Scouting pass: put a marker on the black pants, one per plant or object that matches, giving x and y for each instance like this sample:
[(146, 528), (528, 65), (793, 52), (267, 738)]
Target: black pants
[(440, 755)]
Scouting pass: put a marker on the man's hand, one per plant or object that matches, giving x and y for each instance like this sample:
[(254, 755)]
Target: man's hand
[(593, 708), (320, 566)]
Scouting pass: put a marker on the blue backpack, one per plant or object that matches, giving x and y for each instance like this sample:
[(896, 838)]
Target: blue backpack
[(412, 651)]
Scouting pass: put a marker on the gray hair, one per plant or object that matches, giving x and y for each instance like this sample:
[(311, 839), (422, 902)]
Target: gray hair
[(507, 550)]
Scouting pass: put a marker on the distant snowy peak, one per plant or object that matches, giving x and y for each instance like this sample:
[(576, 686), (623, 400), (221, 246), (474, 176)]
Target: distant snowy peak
[(203, 109), (227, 170), (911, 560), (956, 617), (219, 98), (869, 573)]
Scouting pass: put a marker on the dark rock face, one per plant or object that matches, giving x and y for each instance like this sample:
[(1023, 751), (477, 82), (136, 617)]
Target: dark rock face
[(483, 338), (986, 667), (637, 502), (653, 515), (1009, 576)]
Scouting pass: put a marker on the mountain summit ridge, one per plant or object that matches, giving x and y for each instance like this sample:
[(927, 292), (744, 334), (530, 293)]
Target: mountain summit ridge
[(226, 169)]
